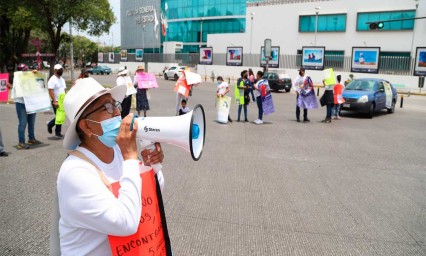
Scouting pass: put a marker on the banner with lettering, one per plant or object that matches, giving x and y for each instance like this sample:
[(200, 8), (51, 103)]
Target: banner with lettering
[(267, 104), (29, 83), (223, 105), (32, 87), (146, 80), (152, 236), (4, 89), (130, 88)]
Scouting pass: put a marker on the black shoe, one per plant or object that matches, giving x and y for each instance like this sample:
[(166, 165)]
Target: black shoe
[(3, 154), (246, 120), (298, 120), (49, 129), (59, 136), (306, 120), (230, 120)]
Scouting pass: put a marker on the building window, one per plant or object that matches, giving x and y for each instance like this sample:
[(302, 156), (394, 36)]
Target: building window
[(326, 23), (365, 17)]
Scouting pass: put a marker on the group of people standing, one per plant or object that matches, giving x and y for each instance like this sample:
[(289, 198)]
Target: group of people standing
[(247, 86), (306, 99)]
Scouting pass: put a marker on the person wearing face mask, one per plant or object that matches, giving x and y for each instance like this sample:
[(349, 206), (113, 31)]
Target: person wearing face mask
[(56, 86), (297, 86), (99, 185), (222, 90)]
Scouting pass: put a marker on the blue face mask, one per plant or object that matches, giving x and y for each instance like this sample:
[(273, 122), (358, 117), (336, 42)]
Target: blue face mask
[(110, 128), (218, 82)]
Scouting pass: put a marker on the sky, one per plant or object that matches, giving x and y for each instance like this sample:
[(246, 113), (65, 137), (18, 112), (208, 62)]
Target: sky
[(114, 35)]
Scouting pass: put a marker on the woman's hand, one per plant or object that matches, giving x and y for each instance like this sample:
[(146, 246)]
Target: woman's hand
[(153, 156), (126, 139)]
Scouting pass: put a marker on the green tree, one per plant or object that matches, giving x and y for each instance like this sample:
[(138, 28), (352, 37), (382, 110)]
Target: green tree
[(16, 24), (95, 17)]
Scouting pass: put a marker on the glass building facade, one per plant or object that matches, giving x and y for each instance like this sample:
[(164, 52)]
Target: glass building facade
[(365, 17), (326, 23), (189, 21)]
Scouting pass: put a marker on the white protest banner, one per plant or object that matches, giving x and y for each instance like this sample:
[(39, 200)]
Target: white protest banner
[(223, 104)]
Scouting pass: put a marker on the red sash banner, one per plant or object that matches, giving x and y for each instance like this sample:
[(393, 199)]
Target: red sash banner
[(152, 236)]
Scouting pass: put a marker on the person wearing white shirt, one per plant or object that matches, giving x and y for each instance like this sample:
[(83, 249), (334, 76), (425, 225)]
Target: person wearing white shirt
[(126, 105), (297, 85), (105, 151), (222, 90), (56, 86)]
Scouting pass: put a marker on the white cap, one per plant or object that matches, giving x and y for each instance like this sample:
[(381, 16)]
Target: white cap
[(57, 67)]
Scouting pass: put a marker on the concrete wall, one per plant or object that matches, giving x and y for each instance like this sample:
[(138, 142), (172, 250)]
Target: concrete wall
[(280, 23)]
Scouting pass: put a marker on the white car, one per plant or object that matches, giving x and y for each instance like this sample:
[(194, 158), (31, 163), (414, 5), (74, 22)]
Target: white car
[(174, 72)]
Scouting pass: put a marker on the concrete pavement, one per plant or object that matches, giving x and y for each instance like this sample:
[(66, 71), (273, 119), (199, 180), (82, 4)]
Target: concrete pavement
[(351, 187)]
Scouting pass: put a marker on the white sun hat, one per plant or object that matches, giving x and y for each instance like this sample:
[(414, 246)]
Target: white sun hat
[(81, 95)]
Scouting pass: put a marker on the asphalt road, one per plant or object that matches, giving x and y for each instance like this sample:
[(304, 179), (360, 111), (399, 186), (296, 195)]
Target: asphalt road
[(356, 186)]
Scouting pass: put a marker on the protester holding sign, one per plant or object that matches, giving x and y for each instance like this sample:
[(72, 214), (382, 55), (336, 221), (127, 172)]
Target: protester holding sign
[(242, 91), (222, 90), (261, 89), (102, 187), (142, 102), (327, 99), (23, 117)]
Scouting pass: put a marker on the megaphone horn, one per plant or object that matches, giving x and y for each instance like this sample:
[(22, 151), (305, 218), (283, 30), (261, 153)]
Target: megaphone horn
[(186, 131)]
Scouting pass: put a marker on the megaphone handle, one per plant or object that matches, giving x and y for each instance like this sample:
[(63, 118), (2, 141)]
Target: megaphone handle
[(157, 167)]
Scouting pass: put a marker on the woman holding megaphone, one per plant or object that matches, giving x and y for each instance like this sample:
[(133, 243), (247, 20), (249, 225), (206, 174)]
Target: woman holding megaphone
[(102, 187)]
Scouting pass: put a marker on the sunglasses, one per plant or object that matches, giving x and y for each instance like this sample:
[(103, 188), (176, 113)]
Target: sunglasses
[(109, 107)]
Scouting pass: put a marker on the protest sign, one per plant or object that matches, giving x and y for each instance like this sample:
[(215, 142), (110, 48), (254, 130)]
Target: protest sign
[(4, 89), (146, 80), (223, 105)]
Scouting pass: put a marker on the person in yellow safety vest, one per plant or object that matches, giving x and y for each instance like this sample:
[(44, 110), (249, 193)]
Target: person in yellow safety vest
[(242, 90)]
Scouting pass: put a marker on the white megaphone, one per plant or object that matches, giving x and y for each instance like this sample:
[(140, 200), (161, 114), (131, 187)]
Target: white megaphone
[(186, 131)]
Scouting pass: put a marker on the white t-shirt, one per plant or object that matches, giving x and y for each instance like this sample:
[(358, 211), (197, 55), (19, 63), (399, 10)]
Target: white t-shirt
[(57, 85), (89, 211), (221, 88), (121, 80), (298, 83)]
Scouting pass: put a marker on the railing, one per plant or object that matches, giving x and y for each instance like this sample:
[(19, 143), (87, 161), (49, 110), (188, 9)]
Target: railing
[(387, 65)]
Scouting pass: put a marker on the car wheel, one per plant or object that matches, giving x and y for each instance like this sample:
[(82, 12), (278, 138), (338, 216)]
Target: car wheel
[(102, 73), (392, 109), (371, 111), (176, 77), (166, 77), (287, 90)]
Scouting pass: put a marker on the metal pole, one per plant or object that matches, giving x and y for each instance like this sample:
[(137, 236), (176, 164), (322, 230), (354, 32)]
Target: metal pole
[(201, 32), (251, 31), (316, 23), (71, 53), (412, 57), (316, 29)]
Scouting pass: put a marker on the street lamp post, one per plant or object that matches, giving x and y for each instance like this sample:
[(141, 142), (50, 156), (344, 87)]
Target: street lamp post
[(201, 32), (143, 38), (251, 29), (412, 57), (316, 23)]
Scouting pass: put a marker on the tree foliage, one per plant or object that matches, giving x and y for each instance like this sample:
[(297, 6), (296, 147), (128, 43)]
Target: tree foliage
[(24, 20)]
